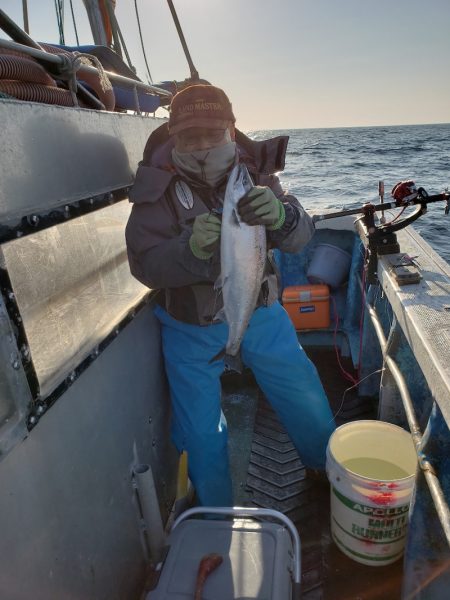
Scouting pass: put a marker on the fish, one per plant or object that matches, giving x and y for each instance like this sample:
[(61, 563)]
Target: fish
[(243, 255)]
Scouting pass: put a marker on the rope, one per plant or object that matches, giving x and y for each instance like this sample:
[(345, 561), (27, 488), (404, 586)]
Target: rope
[(59, 8), (74, 23), (75, 61), (113, 25), (117, 31), (124, 46), (142, 41), (346, 375), (88, 59)]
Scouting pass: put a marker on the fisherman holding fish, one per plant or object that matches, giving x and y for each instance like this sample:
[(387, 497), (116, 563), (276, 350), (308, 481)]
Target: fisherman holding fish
[(207, 210)]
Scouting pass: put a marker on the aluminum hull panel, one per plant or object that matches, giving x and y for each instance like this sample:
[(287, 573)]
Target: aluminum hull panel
[(51, 155), (73, 286), (69, 517)]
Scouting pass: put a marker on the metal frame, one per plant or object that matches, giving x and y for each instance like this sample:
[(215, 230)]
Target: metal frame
[(255, 513), (425, 465)]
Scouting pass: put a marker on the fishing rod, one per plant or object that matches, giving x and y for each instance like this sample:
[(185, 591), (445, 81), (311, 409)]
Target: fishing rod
[(380, 238), (422, 200)]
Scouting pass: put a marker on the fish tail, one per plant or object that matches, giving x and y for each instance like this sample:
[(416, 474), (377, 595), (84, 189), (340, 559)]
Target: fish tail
[(232, 363)]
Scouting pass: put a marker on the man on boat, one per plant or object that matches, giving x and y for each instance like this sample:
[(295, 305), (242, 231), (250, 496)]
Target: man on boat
[(173, 239)]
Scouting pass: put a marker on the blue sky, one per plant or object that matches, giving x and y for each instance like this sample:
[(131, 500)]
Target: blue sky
[(292, 63)]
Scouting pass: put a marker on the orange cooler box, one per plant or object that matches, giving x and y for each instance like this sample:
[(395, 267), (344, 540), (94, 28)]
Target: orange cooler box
[(308, 305)]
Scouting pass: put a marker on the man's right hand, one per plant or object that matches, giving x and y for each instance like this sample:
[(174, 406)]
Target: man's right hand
[(205, 235)]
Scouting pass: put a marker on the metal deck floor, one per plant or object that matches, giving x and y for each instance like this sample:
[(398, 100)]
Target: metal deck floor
[(268, 472)]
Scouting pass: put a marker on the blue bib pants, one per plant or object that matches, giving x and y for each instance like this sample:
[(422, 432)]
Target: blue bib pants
[(284, 373)]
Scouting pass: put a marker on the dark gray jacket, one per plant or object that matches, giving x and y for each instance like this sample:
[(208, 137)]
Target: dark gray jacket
[(160, 225)]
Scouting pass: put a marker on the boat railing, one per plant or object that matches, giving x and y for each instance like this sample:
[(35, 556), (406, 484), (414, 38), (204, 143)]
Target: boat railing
[(413, 306), (424, 462)]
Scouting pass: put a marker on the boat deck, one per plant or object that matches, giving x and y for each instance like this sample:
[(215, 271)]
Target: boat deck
[(268, 472)]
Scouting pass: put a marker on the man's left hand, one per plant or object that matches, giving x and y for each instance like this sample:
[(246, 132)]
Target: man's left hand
[(260, 206)]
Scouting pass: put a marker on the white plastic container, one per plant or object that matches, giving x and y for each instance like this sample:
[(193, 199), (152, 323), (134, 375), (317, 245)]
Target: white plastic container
[(371, 466), (330, 265)]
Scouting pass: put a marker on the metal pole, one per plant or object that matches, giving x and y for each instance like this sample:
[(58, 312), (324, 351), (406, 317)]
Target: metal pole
[(194, 72), (432, 480), (14, 31), (26, 24), (96, 22)]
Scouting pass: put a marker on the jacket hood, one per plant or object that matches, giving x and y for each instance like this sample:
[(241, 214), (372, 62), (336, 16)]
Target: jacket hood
[(156, 169)]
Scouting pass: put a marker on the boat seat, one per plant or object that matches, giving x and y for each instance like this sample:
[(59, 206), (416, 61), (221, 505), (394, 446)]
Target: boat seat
[(260, 550)]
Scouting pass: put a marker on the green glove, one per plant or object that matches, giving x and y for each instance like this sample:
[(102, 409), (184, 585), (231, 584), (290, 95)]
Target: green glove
[(205, 235), (260, 206)]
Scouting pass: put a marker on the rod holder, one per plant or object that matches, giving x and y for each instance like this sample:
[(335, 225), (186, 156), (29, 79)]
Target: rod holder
[(148, 499)]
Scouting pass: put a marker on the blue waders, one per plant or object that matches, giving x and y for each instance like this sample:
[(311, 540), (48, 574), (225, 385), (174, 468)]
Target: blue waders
[(284, 373)]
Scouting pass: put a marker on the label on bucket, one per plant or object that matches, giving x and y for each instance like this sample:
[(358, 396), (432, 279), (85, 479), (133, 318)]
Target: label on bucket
[(369, 534)]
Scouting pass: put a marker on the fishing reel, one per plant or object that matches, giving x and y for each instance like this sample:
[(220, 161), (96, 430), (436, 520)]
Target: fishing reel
[(379, 237)]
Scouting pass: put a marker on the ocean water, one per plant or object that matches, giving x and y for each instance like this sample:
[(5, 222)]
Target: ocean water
[(340, 169)]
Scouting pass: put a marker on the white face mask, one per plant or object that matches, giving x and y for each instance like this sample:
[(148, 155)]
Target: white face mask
[(209, 166)]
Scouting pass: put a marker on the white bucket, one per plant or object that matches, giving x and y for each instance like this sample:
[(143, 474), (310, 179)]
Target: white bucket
[(329, 264), (371, 466)]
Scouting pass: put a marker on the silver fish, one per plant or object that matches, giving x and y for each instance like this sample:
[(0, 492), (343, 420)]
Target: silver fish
[(242, 256)]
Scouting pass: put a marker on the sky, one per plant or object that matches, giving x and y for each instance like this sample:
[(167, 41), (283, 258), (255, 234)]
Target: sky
[(289, 64)]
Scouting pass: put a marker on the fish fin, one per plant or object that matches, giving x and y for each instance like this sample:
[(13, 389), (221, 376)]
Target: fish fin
[(220, 315), (219, 356), (247, 180), (220, 283), (236, 218)]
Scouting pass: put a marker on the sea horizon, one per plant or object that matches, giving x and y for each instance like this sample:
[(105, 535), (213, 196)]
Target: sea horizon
[(345, 127)]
